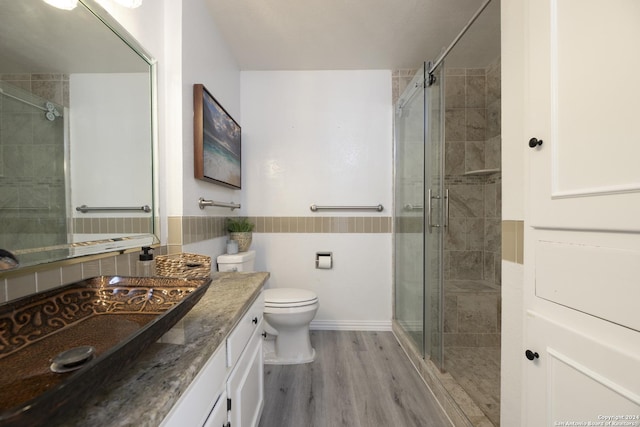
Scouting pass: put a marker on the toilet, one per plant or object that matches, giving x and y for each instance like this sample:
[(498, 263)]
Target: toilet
[(242, 261), (287, 315)]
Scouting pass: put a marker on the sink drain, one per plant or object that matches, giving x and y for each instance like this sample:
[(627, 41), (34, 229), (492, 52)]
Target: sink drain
[(72, 359)]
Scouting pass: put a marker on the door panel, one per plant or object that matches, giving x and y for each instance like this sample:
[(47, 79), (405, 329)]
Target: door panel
[(409, 193), (579, 377), (575, 276), (584, 101)]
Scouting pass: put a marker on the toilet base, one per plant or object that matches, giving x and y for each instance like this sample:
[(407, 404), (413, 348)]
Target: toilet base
[(270, 357)]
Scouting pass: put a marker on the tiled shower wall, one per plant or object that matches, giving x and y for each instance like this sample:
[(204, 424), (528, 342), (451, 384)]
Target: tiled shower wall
[(32, 186), (473, 240), (472, 151)]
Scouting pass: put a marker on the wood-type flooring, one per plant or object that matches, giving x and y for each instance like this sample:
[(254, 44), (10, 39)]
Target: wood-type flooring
[(359, 379)]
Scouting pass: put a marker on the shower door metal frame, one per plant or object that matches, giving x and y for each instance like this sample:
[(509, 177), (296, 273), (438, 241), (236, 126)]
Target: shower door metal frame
[(437, 205)]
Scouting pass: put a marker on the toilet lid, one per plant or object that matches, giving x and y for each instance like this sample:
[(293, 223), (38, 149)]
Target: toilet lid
[(287, 297)]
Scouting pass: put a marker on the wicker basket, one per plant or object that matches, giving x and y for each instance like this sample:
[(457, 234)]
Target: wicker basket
[(184, 266)]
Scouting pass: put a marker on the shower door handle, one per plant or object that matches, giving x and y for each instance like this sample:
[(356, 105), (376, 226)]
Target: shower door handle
[(430, 225), (446, 208)]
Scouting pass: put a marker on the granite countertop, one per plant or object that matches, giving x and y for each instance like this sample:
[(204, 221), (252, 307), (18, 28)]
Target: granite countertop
[(144, 393)]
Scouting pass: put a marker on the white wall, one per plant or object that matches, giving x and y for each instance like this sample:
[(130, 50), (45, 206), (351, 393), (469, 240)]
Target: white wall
[(321, 137), (207, 60), (124, 175), (183, 38)]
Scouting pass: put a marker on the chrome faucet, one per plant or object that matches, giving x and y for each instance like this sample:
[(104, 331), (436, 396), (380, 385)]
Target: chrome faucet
[(8, 261)]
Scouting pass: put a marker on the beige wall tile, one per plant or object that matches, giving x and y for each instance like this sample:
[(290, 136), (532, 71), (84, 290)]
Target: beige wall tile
[(108, 266), (21, 286), (520, 242), (509, 241), (124, 267), (90, 269), (175, 230), (48, 279), (268, 224), (513, 241), (73, 273)]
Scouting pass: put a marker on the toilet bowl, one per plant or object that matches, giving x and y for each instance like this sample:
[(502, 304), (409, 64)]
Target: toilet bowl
[(287, 314)]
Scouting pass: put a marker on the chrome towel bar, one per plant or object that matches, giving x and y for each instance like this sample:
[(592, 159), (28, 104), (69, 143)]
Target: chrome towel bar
[(85, 208), (379, 208), (203, 203)]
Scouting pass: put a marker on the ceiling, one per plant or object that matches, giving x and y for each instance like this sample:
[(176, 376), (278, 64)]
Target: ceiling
[(355, 34)]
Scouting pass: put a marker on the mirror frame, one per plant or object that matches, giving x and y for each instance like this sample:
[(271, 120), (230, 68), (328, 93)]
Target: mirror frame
[(34, 259)]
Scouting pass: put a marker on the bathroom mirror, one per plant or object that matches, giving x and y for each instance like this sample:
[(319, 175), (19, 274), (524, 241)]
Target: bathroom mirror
[(76, 133)]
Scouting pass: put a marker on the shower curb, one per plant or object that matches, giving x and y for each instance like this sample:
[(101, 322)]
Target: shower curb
[(461, 411)]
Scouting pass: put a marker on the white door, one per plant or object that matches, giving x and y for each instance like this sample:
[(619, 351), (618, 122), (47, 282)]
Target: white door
[(582, 247), (584, 104)]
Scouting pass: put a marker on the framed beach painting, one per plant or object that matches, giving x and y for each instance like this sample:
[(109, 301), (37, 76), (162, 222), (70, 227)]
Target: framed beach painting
[(217, 141)]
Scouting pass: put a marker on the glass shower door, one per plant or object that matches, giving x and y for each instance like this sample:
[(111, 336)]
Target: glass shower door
[(419, 205), (409, 211)]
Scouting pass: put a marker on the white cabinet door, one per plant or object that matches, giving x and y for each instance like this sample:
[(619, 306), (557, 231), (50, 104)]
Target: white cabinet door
[(218, 416), (246, 384), (584, 103), (579, 378), (582, 247), (194, 406)]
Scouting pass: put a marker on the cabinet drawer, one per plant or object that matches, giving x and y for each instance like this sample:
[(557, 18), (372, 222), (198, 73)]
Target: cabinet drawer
[(244, 329)]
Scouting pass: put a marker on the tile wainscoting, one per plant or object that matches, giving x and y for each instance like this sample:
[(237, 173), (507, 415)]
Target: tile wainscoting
[(192, 229)]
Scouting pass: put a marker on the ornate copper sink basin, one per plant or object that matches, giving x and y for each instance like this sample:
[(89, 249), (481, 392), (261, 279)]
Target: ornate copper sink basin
[(118, 316)]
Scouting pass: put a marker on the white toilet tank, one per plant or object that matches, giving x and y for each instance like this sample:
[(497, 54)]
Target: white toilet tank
[(242, 261)]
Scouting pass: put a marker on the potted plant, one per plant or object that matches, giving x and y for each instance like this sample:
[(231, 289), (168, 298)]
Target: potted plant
[(240, 229)]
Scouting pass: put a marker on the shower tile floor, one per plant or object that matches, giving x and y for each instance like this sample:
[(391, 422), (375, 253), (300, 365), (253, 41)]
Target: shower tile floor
[(477, 371)]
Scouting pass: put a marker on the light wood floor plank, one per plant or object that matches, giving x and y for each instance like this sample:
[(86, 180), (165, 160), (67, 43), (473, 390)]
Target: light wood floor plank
[(359, 379)]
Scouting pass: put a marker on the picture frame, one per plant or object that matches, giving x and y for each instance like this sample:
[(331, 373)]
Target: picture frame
[(217, 141)]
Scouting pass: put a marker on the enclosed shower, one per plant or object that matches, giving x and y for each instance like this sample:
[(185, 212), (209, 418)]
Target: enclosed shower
[(32, 154), (447, 239)]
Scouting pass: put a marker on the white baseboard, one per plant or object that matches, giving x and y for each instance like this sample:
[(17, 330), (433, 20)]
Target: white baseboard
[(351, 325)]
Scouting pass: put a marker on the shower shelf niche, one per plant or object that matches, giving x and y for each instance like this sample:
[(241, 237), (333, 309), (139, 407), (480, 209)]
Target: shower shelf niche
[(482, 171)]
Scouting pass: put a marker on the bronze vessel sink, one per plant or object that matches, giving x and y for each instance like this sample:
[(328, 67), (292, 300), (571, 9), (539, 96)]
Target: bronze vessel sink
[(89, 331)]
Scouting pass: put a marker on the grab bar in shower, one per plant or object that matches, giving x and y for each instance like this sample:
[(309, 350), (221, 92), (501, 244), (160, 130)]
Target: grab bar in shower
[(85, 208), (378, 208), (203, 203), (410, 207)]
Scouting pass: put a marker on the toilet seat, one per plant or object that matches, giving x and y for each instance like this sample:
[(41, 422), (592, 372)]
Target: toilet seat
[(289, 297)]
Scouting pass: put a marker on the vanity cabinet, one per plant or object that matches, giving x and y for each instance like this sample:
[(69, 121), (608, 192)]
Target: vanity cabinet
[(229, 390)]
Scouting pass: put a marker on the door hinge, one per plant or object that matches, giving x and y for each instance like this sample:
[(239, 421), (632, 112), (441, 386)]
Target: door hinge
[(228, 404)]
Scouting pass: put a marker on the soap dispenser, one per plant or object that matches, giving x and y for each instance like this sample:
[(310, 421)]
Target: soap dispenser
[(146, 265)]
